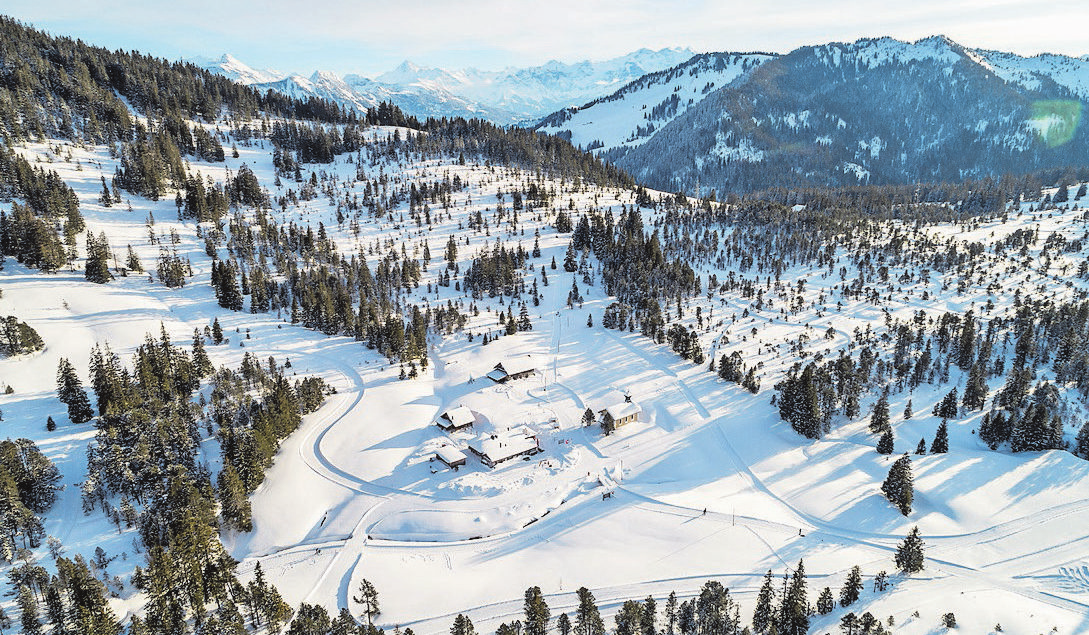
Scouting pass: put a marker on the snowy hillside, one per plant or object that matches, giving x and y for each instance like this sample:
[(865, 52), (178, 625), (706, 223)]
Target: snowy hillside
[(634, 113), (229, 345), (709, 483), (1069, 72)]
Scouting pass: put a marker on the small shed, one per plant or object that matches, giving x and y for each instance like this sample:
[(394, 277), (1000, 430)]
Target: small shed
[(456, 419), (451, 456), (494, 449), (622, 413)]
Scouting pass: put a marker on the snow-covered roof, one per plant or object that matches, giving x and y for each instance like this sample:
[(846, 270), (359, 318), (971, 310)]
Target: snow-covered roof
[(623, 409), (459, 416), (519, 364), (497, 375), (499, 447), (450, 455)]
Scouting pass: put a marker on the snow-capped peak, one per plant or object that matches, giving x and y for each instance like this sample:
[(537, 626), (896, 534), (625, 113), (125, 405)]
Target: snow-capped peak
[(231, 67)]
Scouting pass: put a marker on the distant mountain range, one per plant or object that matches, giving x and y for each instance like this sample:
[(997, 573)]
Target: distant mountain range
[(873, 111), (869, 112), (513, 95)]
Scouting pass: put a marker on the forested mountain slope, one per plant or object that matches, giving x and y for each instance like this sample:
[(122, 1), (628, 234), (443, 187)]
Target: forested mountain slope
[(869, 112)]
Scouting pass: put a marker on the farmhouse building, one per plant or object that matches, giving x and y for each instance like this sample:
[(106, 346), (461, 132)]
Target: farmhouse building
[(516, 368), (494, 449), (456, 419)]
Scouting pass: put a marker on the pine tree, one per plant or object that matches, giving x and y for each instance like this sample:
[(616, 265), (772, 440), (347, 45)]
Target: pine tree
[(764, 615), (587, 618), (940, 444), (234, 505), (947, 407), (1037, 430), (570, 265), (975, 390), (628, 618), (966, 345), (536, 612), (898, 486), (55, 609), (451, 252), (885, 443), (28, 607), (70, 391), (50, 425), (217, 332), (907, 411), (226, 286), (648, 625), (97, 268), (368, 598), (105, 199), (608, 424), (794, 611), (563, 624), (852, 587), (879, 420), (523, 319), (671, 614), (995, 429), (909, 555), (201, 364), (825, 602), (462, 626), (921, 448), (1081, 442), (132, 263)]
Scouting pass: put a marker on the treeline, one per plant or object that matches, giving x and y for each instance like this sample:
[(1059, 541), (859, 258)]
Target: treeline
[(780, 608), (28, 488), (18, 338), (143, 473), (299, 272), (58, 87), (961, 199), (250, 430), (29, 233), (1027, 413), (636, 270)]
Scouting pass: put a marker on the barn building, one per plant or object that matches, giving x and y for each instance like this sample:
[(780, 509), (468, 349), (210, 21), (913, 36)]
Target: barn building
[(452, 457)]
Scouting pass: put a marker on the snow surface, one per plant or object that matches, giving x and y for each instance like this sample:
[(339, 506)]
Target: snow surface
[(709, 484)]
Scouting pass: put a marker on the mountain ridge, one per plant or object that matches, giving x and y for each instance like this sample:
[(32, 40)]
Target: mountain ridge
[(513, 95), (785, 120)]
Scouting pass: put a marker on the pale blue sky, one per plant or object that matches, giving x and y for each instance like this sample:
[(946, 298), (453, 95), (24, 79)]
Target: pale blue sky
[(369, 37)]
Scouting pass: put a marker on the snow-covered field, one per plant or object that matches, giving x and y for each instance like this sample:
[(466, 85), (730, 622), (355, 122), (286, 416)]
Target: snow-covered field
[(708, 484)]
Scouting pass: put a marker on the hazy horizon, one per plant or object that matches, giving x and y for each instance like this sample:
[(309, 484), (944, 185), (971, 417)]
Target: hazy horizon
[(369, 38)]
